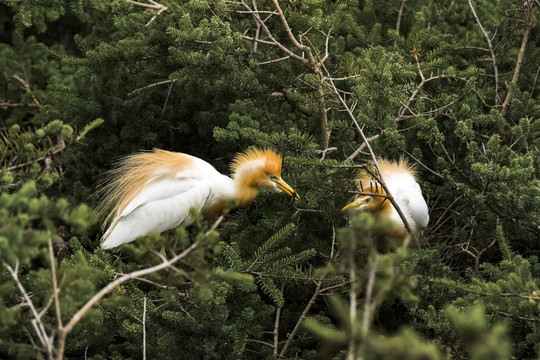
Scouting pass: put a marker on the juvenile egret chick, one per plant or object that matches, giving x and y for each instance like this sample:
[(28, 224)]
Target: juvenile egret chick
[(153, 191), (400, 179)]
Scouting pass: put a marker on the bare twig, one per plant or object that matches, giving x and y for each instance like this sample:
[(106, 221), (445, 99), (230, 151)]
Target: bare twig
[(325, 152), (310, 59), (56, 290), (465, 248), (491, 51), (52, 151), (6, 105), (398, 22), (151, 85), (300, 320), (361, 147), (167, 98), (374, 158), (28, 89), (273, 60), (276, 327), (144, 329), (353, 303), (258, 20), (37, 323), (64, 331), (422, 164), (528, 11), (156, 6)]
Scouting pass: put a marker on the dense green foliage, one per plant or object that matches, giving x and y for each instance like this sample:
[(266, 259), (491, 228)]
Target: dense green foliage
[(450, 85)]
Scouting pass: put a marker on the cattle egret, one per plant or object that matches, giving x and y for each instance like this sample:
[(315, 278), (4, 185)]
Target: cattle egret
[(400, 180), (151, 192)]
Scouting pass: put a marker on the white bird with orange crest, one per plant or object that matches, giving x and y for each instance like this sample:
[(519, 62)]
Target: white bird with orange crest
[(151, 192), (400, 179)]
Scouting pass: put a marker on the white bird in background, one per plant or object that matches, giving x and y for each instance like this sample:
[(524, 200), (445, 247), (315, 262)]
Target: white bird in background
[(400, 180), (151, 192)]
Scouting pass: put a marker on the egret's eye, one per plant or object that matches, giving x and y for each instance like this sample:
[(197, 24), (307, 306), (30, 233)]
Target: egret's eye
[(273, 177)]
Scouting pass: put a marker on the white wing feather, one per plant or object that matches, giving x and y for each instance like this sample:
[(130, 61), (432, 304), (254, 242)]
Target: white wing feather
[(165, 201), (156, 216), (408, 196)]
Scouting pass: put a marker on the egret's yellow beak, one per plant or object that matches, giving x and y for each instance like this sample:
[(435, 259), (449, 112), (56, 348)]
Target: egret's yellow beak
[(283, 186), (356, 203)]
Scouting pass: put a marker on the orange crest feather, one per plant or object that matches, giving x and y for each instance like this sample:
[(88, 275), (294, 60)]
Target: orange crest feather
[(272, 160), (389, 167)]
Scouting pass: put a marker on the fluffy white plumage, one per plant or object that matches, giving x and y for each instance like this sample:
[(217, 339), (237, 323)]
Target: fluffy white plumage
[(154, 191), (408, 196), (400, 179)]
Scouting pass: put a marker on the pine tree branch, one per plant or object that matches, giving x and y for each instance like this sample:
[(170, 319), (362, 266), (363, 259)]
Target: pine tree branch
[(472, 184), (51, 152), (480, 292)]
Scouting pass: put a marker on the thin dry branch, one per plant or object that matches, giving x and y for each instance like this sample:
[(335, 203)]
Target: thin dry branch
[(300, 320), (151, 85), (154, 5), (365, 140), (400, 14), (28, 89), (368, 302), (528, 13), (260, 22), (306, 58), (144, 329), (37, 323), (406, 106), (465, 248), (353, 303), (51, 152), (491, 51), (276, 326), (6, 105), (305, 49), (64, 331), (56, 290)]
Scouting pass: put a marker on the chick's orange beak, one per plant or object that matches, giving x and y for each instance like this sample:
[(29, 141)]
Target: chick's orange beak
[(283, 186)]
